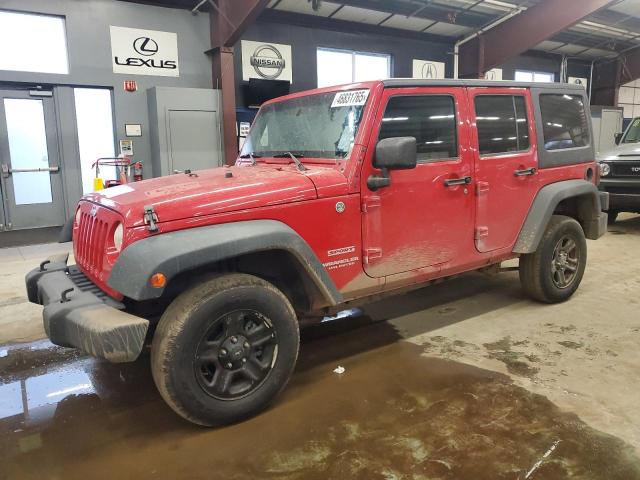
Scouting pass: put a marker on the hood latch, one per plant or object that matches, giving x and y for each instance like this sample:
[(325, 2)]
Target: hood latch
[(150, 218)]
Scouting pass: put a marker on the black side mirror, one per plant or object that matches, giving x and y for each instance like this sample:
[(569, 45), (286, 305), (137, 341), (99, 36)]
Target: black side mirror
[(396, 153), (618, 137)]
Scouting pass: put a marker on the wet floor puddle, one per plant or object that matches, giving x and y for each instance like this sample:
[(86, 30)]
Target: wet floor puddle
[(393, 414)]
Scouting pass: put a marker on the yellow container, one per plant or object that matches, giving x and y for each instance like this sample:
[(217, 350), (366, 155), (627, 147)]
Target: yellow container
[(98, 184)]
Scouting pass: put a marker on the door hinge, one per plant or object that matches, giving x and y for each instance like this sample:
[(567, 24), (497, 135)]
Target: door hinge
[(481, 232), (371, 254), (482, 187), (370, 204)]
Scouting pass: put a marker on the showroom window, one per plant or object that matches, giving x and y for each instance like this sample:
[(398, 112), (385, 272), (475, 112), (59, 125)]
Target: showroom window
[(564, 121), (502, 124), (431, 119), (531, 76), (337, 67), (38, 43), (94, 117)]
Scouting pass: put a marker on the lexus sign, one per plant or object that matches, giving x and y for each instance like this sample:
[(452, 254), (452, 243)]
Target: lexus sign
[(144, 52), (267, 61)]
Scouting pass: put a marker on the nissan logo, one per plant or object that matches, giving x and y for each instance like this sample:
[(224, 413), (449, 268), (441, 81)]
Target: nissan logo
[(145, 46), (267, 62)]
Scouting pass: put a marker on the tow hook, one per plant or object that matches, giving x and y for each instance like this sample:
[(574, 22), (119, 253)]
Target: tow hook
[(63, 296), (150, 218)]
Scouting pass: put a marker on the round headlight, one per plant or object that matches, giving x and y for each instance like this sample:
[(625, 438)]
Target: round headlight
[(118, 235), (78, 215), (605, 169)]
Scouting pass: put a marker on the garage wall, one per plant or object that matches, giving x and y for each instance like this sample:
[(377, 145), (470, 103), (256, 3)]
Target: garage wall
[(305, 41), (543, 62), (89, 51)]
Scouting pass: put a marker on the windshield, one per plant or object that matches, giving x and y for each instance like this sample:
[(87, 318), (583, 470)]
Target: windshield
[(315, 126), (633, 133)]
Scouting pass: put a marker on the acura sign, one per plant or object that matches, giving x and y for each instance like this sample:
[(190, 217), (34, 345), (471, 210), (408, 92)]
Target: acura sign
[(267, 61), (427, 69), (144, 52)]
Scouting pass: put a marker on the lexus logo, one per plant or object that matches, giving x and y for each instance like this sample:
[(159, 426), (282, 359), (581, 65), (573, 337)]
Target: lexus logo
[(145, 46), (267, 62), (429, 70)]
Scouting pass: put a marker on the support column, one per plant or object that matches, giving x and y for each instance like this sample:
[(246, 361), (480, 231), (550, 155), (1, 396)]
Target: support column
[(224, 79), (228, 20)]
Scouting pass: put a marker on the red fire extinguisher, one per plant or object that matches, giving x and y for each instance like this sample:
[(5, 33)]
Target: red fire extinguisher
[(137, 171)]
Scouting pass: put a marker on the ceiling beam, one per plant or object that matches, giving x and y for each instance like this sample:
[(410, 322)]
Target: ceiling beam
[(522, 32), (609, 76), (230, 19)]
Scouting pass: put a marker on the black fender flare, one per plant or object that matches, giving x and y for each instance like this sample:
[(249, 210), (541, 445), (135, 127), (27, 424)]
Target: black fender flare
[(592, 219), (184, 250)]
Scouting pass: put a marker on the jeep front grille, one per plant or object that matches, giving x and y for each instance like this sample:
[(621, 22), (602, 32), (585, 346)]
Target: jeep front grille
[(90, 242)]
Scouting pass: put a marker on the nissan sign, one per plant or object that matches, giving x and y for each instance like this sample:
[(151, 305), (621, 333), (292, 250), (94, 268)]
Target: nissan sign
[(268, 61)]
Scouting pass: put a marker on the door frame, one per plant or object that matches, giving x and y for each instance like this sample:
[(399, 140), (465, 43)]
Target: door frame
[(463, 165), (44, 217), (168, 111)]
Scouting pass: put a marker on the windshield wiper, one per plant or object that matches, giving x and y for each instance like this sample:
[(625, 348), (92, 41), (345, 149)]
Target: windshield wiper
[(293, 157), (252, 156)]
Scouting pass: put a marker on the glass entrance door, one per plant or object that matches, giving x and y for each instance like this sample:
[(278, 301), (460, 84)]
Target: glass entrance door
[(30, 177)]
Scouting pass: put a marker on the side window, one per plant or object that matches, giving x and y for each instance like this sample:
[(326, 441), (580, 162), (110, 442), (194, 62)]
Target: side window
[(564, 121), (502, 124), (429, 118)]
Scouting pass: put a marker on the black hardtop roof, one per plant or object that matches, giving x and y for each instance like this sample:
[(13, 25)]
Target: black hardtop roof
[(451, 82)]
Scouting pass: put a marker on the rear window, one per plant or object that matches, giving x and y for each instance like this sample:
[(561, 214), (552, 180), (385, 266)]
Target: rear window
[(564, 121), (502, 124)]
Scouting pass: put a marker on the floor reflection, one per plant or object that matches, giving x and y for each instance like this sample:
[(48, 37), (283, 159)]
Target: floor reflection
[(394, 413)]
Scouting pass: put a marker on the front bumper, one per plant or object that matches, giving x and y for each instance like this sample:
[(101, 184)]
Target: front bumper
[(624, 194), (597, 227), (78, 314)]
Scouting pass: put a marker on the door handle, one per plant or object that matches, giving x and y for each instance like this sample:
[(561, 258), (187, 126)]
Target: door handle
[(7, 170), (457, 181), (525, 172)]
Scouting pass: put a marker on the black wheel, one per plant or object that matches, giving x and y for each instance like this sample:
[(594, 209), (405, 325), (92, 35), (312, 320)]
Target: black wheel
[(224, 349), (553, 272), (613, 216)]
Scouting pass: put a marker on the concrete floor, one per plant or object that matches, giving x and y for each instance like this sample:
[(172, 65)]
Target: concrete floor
[(464, 380)]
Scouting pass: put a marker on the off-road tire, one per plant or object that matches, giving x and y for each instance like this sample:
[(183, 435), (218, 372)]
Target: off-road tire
[(612, 216), (537, 269), (180, 333)]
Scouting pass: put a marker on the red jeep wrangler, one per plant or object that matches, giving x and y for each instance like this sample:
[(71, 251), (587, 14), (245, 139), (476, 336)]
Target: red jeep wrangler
[(339, 194)]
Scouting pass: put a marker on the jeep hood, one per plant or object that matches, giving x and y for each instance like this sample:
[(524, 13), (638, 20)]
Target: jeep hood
[(207, 192), (624, 151)]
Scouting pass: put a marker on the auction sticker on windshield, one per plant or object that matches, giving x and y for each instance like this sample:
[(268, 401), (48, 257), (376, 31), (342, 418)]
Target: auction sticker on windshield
[(350, 98)]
